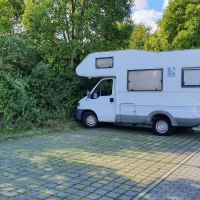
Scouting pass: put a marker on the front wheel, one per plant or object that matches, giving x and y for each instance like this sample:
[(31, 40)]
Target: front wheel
[(162, 126), (90, 120)]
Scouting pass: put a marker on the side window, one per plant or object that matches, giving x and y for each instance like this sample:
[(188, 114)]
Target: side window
[(191, 77), (103, 89), (106, 62), (145, 80)]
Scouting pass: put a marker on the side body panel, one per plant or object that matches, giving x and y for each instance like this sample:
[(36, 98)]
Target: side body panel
[(180, 105)]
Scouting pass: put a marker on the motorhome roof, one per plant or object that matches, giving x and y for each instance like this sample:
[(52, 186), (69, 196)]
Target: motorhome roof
[(137, 59)]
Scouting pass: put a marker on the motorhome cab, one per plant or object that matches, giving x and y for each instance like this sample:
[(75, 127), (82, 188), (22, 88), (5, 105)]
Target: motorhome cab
[(139, 87)]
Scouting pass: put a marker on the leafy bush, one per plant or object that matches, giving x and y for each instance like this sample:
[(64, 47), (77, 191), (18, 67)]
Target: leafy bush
[(33, 92), (54, 91), (15, 66)]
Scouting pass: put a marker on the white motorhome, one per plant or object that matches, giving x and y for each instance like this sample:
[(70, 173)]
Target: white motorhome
[(140, 87)]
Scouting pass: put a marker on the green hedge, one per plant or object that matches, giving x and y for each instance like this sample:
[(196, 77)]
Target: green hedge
[(32, 91)]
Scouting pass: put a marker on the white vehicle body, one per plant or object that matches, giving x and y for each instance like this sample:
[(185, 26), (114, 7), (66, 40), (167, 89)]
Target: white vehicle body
[(145, 85)]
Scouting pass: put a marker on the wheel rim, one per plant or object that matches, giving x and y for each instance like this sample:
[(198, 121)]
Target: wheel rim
[(91, 120), (162, 126)]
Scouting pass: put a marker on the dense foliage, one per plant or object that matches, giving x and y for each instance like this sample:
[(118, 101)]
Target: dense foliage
[(10, 15), (140, 37), (15, 67), (69, 30), (41, 43), (179, 28)]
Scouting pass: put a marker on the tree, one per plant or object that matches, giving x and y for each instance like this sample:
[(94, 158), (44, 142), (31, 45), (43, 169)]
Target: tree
[(73, 28), (156, 43), (10, 15), (139, 37), (179, 28)]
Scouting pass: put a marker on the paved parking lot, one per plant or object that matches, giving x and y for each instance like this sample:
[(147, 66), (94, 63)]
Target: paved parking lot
[(104, 163)]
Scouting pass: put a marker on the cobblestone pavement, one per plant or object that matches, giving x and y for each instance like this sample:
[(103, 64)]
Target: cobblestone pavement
[(184, 183), (105, 163)]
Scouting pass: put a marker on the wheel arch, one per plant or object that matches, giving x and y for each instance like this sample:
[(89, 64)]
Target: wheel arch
[(159, 113), (88, 110)]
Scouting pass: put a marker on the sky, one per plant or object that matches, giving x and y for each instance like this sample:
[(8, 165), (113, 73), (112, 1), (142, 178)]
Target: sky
[(148, 12)]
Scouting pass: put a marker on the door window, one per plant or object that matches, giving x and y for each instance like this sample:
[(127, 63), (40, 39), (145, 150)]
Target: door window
[(103, 89)]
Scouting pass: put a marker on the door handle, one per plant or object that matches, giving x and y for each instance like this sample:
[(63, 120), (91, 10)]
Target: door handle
[(111, 100)]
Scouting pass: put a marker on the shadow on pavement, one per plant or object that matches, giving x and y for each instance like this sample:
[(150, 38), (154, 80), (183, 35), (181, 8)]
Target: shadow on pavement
[(117, 162)]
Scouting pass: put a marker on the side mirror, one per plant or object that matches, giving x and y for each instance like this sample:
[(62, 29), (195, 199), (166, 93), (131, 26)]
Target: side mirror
[(94, 96), (88, 94)]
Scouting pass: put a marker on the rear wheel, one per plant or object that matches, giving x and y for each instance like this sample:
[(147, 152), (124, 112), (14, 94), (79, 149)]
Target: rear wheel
[(162, 126), (90, 120)]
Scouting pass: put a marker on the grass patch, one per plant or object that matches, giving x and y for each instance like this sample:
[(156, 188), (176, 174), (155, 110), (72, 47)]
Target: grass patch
[(52, 127)]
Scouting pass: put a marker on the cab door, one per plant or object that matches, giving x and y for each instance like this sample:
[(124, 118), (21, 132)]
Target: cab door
[(103, 100)]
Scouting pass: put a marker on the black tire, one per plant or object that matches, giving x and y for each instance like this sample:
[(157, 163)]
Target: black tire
[(90, 120), (162, 126)]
